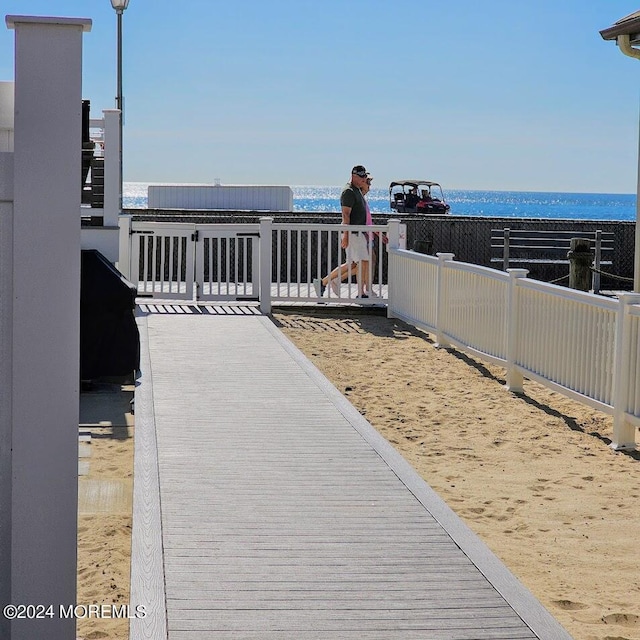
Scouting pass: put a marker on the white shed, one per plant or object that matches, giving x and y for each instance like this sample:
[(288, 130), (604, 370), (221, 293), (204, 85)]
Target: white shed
[(220, 197)]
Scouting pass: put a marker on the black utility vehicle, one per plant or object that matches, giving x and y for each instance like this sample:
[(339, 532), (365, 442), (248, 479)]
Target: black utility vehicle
[(417, 196)]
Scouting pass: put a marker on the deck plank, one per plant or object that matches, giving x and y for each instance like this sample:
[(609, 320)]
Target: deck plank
[(285, 515)]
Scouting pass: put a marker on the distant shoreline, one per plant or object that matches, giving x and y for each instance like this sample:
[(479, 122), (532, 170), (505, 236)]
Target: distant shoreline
[(498, 204), (448, 190)]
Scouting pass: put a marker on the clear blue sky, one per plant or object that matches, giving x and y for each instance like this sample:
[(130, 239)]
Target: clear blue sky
[(491, 94)]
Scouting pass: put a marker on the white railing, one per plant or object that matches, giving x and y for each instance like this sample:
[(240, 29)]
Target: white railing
[(162, 260), (266, 262), (308, 252), (568, 337), (582, 345), (183, 261)]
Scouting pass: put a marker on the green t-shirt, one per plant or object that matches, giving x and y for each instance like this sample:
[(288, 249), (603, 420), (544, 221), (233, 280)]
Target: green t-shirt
[(352, 197)]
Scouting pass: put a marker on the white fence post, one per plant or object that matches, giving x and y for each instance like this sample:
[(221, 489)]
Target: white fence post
[(124, 249), (623, 430), (514, 378), (393, 237), (6, 368), (266, 244), (45, 325), (394, 234), (112, 200), (443, 258)]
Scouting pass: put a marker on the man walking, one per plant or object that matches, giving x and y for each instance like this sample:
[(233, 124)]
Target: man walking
[(354, 212)]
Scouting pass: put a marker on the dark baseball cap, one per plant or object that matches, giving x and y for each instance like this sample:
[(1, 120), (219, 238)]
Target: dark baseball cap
[(359, 170)]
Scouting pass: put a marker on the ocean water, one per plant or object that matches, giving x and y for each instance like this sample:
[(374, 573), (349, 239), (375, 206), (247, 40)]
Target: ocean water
[(511, 204)]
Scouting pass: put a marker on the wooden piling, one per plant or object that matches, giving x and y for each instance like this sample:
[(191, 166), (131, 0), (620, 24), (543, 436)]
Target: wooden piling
[(580, 261)]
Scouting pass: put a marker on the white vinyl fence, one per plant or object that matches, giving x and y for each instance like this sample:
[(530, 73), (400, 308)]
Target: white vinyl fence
[(579, 344), (266, 261), (303, 253), (182, 261)]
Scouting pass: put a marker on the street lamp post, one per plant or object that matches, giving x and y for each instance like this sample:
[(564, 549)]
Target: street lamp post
[(626, 33), (120, 6)]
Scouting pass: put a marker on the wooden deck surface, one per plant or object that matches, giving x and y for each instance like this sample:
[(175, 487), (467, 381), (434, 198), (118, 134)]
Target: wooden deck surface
[(266, 507)]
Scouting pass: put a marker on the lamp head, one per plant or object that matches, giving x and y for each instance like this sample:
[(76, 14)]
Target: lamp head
[(119, 5)]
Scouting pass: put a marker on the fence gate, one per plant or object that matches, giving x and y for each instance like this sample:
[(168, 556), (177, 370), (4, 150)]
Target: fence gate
[(227, 262), (195, 261)]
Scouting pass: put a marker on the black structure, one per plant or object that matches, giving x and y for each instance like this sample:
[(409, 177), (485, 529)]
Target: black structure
[(109, 338), (87, 150), (92, 167)]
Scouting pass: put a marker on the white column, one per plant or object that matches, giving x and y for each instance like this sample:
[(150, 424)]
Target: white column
[(515, 379), (46, 318), (6, 350), (441, 299), (123, 265), (266, 244), (112, 144), (393, 233), (623, 431), (393, 243)]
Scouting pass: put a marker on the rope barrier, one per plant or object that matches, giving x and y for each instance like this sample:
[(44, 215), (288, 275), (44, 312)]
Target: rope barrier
[(611, 275), (600, 271), (559, 279)]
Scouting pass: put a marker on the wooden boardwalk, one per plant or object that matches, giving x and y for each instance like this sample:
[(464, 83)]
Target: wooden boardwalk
[(266, 507)]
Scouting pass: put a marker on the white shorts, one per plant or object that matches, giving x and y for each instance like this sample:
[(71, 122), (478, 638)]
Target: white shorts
[(358, 248)]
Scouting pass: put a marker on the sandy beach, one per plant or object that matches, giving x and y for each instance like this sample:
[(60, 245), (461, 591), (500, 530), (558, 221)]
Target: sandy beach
[(104, 519), (532, 475)]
